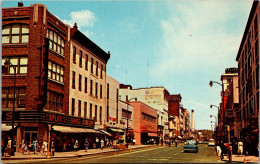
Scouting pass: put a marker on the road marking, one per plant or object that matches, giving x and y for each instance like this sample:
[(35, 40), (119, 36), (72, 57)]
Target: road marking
[(176, 154)]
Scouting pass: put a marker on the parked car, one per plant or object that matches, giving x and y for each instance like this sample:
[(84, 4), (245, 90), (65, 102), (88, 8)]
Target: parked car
[(211, 142), (191, 146)]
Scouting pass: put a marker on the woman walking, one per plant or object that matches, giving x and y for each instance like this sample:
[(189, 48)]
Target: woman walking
[(86, 144), (35, 145)]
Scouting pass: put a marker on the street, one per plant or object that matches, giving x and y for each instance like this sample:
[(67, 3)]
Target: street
[(154, 155)]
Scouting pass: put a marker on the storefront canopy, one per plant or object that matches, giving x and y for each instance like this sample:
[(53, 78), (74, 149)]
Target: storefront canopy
[(117, 130), (152, 134), (4, 127), (106, 133), (66, 129)]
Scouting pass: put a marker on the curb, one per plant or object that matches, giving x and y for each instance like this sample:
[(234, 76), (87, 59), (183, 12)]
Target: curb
[(79, 155)]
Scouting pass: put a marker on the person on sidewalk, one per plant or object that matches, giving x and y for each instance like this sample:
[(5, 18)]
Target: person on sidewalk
[(219, 152), (134, 141), (45, 147), (97, 142), (240, 148), (35, 145), (102, 144), (52, 147), (86, 144), (76, 145)]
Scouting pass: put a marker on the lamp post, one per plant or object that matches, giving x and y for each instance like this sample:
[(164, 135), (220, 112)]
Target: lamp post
[(215, 119), (214, 106), (6, 65), (126, 136)]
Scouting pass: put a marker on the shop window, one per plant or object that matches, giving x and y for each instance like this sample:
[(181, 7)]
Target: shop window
[(15, 33)]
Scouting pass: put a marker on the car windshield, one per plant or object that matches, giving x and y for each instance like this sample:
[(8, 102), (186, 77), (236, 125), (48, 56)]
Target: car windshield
[(190, 142)]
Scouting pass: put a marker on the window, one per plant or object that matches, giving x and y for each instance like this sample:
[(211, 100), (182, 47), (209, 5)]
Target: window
[(55, 72), (90, 111), (101, 92), (74, 55), (107, 91), (126, 114), (56, 42), (96, 113), (97, 68), (73, 79), (8, 97), (79, 109), (85, 109), (54, 101), (20, 64), (80, 77), (73, 107), (92, 63), (101, 72), (80, 58), (100, 115), (107, 113), (91, 87), (86, 62), (86, 84), (15, 33), (96, 89)]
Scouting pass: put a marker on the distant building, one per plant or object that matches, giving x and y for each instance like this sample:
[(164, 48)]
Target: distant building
[(156, 97), (248, 71), (145, 123), (174, 110)]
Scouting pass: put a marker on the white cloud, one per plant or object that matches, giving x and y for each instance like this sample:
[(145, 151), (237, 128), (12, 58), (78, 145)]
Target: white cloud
[(84, 19), (198, 33)]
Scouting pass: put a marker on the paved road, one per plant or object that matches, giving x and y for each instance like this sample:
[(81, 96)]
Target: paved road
[(156, 155)]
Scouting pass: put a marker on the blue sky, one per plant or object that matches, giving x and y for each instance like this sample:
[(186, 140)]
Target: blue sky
[(180, 45)]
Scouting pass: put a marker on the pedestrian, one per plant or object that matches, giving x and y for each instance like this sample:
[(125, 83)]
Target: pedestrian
[(219, 152), (161, 142), (134, 141), (86, 144), (45, 147), (240, 148), (97, 142), (102, 144), (52, 147), (76, 145), (176, 142), (35, 145)]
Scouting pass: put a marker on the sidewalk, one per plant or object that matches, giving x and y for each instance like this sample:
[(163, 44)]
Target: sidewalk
[(77, 153), (240, 159)]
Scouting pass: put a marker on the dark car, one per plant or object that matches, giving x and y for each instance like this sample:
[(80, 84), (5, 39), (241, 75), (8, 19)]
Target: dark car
[(191, 146)]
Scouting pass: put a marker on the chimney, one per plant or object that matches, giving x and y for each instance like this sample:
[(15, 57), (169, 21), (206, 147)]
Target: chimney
[(192, 121), (75, 26), (20, 4)]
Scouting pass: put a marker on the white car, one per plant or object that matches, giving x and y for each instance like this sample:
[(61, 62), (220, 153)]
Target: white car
[(211, 142)]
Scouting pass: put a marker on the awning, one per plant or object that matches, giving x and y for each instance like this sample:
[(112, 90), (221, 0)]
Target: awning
[(67, 129), (103, 131), (4, 127), (152, 134), (117, 130)]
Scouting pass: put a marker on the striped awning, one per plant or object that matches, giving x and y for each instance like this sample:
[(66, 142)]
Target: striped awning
[(117, 130), (105, 132), (5, 128), (67, 129)]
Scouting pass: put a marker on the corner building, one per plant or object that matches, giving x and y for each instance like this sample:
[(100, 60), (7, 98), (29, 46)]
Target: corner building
[(248, 71)]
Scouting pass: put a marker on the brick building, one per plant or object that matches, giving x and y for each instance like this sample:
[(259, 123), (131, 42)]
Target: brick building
[(174, 109), (248, 70), (37, 44)]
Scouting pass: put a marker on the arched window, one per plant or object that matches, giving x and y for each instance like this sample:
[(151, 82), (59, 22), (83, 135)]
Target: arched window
[(15, 33)]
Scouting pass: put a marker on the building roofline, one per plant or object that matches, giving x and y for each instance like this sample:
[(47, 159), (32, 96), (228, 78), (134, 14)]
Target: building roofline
[(253, 9)]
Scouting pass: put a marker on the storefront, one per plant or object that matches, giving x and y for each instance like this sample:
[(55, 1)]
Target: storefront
[(65, 130)]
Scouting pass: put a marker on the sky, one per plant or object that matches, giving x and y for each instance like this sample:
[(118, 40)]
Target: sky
[(180, 45)]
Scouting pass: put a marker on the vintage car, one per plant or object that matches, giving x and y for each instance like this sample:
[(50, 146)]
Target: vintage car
[(191, 146), (211, 142)]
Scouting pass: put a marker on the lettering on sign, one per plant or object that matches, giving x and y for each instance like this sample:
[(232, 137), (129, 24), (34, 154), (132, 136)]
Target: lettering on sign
[(76, 121), (55, 118), (9, 116)]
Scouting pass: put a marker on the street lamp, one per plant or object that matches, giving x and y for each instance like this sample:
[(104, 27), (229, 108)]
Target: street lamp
[(214, 106), (215, 119), (126, 136), (6, 65)]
